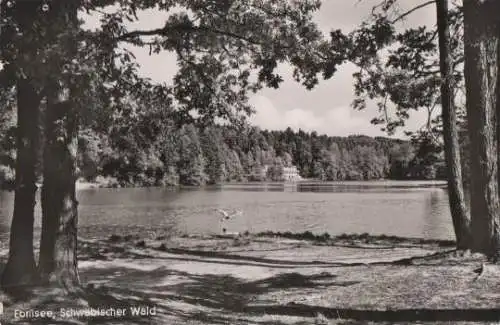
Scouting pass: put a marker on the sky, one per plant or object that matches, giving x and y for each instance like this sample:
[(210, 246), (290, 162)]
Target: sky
[(327, 108)]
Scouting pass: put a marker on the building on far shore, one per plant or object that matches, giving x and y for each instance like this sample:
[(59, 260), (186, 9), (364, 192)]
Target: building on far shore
[(272, 172), (291, 174)]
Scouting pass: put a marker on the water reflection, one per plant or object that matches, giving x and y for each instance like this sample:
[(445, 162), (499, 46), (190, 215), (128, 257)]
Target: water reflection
[(436, 206)]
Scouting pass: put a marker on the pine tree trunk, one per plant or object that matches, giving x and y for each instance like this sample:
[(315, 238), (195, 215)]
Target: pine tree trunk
[(21, 268), (58, 246), (481, 42), (458, 208)]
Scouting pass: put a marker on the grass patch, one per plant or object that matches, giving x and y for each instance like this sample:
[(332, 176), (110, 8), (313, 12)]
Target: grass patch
[(364, 237), (306, 235)]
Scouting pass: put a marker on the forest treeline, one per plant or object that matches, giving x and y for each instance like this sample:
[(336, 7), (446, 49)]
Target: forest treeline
[(151, 151), (193, 156)]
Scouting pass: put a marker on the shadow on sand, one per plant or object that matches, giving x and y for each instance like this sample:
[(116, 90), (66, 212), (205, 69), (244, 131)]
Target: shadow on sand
[(210, 297), (213, 296)]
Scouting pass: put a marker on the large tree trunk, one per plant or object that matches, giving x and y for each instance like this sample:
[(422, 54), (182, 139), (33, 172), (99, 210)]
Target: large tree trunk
[(58, 246), (497, 111), (21, 268), (459, 213), (481, 40)]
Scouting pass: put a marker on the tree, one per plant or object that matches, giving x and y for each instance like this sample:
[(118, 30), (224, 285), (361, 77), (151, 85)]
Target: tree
[(89, 152), (400, 158), (426, 162), (232, 163), (333, 162), (21, 268), (275, 171), (481, 39), (459, 213), (21, 256), (191, 162), (212, 142), (58, 244), (409, 80)]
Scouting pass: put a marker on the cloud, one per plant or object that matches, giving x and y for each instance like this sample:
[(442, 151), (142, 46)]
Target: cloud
[(303, 119), (337, 121), (343, 121)]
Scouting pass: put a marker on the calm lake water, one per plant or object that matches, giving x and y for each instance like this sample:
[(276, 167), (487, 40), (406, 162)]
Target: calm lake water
[(415, 209)]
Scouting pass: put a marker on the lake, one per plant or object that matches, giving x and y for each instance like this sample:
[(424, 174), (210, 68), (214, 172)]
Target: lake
[(413, 209)]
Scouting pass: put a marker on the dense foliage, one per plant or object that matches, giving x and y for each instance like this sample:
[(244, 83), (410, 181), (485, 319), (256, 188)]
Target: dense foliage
[(398, 66), (192, 156)]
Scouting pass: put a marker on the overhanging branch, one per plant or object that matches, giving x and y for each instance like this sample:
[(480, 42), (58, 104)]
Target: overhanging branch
[(409, 12), (184, 28)]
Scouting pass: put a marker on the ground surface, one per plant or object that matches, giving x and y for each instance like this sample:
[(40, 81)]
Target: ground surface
[(276, 280)]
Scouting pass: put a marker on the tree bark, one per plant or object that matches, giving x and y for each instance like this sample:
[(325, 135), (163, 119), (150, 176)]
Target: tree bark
[(456, 197), (497, 111), (21, 268), (481, 42), (58, 246)]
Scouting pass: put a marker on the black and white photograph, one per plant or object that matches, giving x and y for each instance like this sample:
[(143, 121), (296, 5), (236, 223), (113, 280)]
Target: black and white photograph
[(264, 162)]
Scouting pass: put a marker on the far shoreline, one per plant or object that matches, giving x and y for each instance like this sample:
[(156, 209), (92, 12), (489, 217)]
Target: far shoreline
[(85, 185)]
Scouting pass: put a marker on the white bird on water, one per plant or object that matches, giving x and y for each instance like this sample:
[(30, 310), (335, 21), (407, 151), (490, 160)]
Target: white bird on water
[(226, 216)]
